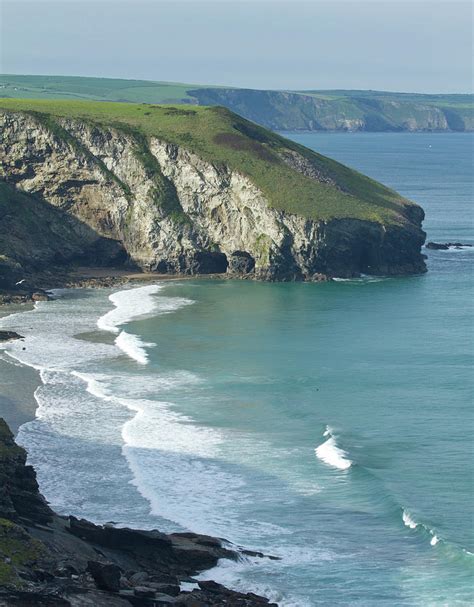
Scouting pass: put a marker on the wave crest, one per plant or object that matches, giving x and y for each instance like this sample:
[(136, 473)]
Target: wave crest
[(331, 454)]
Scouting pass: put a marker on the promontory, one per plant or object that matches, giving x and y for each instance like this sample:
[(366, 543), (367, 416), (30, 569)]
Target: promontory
[(188, 190)]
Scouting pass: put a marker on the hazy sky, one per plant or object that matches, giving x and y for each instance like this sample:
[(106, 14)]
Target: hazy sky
[(423, 46)]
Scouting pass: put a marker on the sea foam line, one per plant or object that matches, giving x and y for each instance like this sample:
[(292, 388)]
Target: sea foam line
[(409, 522), (136, 303), (331, 454), (129, 304)]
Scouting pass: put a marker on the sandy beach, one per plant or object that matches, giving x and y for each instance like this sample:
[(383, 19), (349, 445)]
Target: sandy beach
[(18, 382)]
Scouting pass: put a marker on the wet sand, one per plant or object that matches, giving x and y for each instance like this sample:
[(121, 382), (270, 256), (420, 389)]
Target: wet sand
[(17, 383)]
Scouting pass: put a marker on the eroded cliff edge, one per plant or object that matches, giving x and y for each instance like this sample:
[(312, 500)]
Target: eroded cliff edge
[(58, 561), (190, 191)]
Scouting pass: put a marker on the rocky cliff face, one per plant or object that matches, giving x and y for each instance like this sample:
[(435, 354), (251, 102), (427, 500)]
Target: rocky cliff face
[(166, 209), (343, 110)]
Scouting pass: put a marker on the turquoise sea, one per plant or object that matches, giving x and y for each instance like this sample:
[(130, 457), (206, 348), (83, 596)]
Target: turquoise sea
[(328, 424)]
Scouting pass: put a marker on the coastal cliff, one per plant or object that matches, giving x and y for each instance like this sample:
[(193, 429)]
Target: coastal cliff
[(307, 110), (188, 191), (58, 561)]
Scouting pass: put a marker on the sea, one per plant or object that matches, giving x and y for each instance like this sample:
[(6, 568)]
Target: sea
[(329, 425)]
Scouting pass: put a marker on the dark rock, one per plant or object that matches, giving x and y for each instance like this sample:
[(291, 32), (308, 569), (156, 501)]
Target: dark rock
[(18, 598), (11, 272), (320, 278), (139, 577), (444, 246), (437, 246), (19, 494), (106, 576), (165, 599), (260, 555), (241, 262), (40, 296), (7, 335), (211, 586), (55, 559), (171, 589), (144, 592)]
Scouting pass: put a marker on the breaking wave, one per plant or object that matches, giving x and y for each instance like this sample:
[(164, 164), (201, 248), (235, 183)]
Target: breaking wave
[(409, 522), (331, 454), (131, 304)]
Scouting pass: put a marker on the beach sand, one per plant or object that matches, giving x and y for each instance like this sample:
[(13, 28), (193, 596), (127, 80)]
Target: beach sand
[(17, 383)]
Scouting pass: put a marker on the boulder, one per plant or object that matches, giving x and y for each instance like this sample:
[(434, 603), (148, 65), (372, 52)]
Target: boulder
[(106, 575)]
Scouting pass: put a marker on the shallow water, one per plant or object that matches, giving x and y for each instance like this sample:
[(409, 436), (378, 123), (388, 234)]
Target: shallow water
[(329, 424)]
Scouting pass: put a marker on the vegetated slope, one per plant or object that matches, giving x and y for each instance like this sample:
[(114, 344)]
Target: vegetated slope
[(279, 110), (198, 189)]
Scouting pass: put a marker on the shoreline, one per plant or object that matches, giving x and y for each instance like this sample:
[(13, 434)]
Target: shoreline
[(87, 277), (206, 551), (17, 407), (19, 381)]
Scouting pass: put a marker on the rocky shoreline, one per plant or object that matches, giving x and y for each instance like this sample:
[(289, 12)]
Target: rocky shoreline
[(55, 561), (37, 287)]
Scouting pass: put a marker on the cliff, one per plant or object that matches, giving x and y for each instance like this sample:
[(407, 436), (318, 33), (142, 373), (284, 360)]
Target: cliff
[(370, 111), (314, 110), (58, 561), (180, 190)]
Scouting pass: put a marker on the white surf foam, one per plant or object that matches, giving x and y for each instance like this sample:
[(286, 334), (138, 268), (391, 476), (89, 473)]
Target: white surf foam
[(238, 576), (363, 279), (331, 454), (412, 524), (133, 346), (408, 521), (131, 304)]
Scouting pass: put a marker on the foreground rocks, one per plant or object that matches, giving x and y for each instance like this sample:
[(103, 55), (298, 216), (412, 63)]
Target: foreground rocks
[(56, 561)]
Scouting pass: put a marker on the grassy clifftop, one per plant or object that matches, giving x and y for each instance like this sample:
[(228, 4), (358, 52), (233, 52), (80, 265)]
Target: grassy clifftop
[(222, 137)]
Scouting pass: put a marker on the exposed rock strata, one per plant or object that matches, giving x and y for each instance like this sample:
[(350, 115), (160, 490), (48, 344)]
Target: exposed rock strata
[(366, 111), (162, 208), (55, 561)]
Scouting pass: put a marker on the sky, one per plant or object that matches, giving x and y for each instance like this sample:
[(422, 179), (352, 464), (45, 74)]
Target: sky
[(401, 45)]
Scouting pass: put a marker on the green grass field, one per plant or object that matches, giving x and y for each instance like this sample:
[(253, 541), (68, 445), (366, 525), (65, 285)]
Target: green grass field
[(221, 137), (93, 89)]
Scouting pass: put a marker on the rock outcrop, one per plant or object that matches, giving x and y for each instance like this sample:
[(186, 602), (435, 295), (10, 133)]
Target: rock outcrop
[(53, 561), (109, 195), (444, 246)]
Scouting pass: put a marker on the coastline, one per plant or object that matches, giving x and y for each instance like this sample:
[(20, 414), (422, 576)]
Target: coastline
[(41, 283), (19, 382), (181, 563)]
